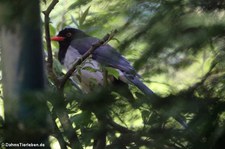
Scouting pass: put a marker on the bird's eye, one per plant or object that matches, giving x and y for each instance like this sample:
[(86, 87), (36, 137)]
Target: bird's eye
[(68, 34)]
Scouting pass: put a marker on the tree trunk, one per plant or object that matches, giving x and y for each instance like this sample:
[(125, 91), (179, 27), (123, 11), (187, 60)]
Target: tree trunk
[(23, 74)]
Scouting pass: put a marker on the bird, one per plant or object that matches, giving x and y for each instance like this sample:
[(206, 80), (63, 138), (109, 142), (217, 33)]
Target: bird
[(73, 43)]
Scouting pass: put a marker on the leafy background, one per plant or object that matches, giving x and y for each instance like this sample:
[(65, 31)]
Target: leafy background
[(177, 46)]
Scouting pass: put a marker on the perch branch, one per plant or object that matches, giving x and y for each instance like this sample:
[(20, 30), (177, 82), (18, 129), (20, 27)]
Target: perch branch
[(101, 42)]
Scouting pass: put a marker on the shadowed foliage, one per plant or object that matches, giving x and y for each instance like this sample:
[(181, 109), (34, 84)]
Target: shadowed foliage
[(177, 46)]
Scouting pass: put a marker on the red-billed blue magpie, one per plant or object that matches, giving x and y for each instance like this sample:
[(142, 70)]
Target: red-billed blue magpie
[(73, 43)]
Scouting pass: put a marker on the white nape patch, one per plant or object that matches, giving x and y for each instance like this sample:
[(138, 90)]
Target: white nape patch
[(87, 78)]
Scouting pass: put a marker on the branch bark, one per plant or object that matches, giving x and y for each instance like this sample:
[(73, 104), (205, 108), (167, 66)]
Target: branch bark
[(46, 13)]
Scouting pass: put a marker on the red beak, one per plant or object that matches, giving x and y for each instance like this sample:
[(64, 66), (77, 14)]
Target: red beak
[(57, 38)]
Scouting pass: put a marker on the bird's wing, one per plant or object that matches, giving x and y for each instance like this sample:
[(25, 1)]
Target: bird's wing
[(105, 54)]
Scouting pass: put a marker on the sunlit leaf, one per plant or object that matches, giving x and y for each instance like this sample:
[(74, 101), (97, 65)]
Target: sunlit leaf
[(89, 68), (113, 72), (74, 21), (83, 16)]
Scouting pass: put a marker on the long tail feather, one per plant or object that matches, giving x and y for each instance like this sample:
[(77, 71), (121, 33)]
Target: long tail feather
[(148, 92), (141, 86)]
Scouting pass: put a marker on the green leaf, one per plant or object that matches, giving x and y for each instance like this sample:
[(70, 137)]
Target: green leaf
[(74, 21), (57, 66), (52, 29), (72, 6), (82, 119), (89, 68), (113, 72), (83, 16), (117, 40)]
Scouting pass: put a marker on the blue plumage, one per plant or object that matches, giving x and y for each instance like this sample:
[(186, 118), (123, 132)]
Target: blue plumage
[(74, 43), (108, 56)]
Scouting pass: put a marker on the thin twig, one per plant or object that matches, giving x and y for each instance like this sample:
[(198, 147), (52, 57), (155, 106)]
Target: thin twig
[(50, 7), (101, 42), (105, 77), (46, 13), (119, 127)]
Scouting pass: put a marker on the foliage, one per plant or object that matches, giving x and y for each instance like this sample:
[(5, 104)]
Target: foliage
[(177, 46)]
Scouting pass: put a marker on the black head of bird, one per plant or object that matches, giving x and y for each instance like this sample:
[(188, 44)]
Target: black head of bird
[(64, 38), (68, 34)]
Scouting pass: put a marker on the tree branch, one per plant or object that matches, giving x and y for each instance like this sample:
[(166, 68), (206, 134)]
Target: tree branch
[(100, 139), (68, 129), (62, 115), (57, 132), (50, 7), (101, 42), (46, 13), (118, 127)]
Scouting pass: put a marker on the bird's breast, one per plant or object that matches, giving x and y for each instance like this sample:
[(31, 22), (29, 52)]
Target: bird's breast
[(88, 74)]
